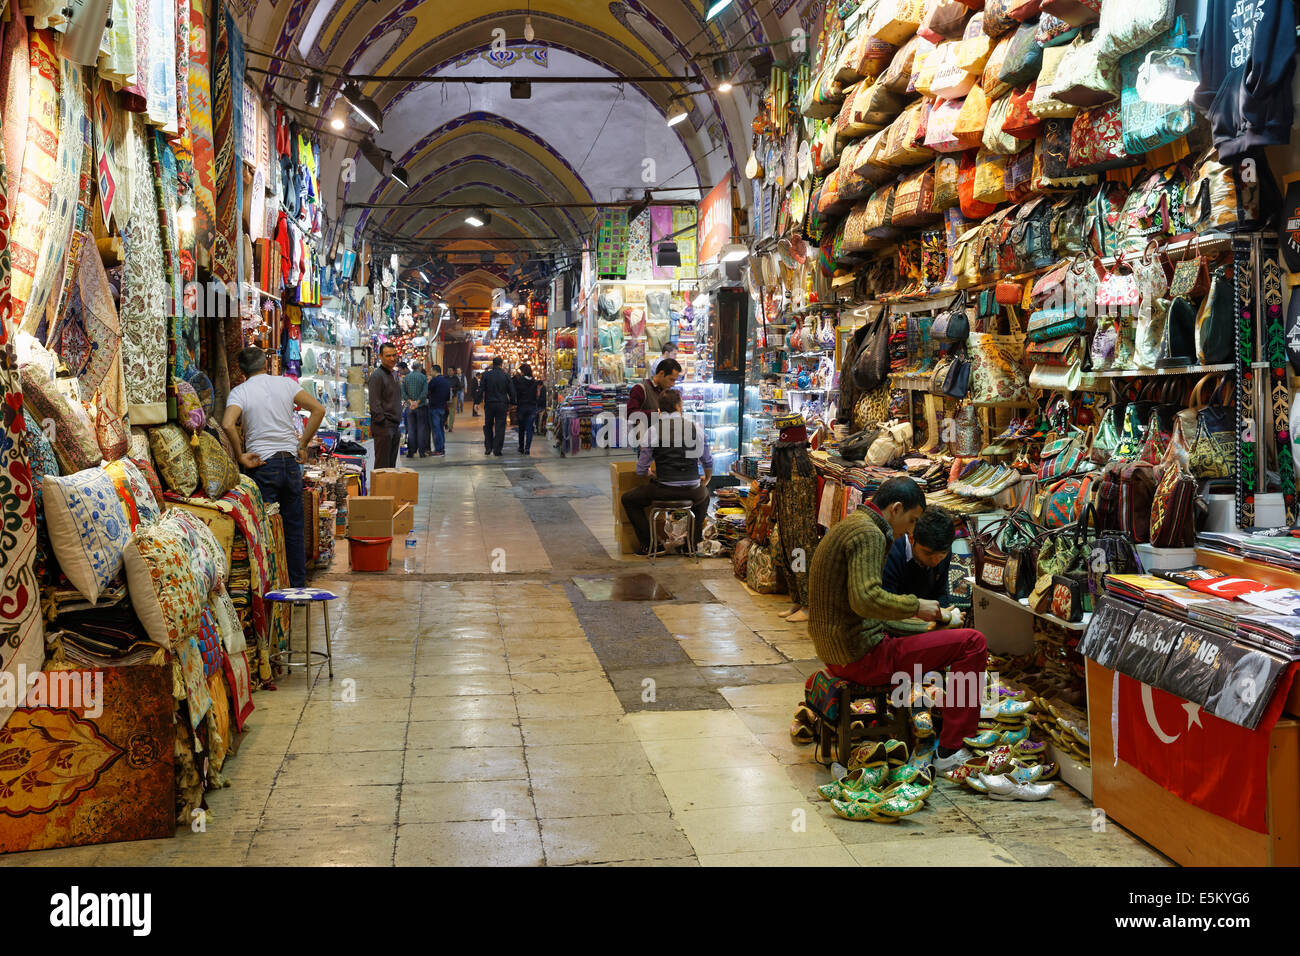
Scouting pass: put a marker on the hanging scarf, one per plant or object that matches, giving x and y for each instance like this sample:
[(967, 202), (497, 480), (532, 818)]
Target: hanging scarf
[(22, 638), (117, 49), (202, 154), (40, 170), (225, 173), (143, 310), (160, 93)]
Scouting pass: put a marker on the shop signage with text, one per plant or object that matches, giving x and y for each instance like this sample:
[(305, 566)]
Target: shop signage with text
[(715, 221)]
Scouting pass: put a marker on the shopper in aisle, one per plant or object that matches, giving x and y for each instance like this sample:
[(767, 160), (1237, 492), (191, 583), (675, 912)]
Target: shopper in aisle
[(850, 606), (385, 407), (497, 394), (439, 397), (457, 390), (530, 395), (644, 396), (675, 452), (415, 389), (269, 446)]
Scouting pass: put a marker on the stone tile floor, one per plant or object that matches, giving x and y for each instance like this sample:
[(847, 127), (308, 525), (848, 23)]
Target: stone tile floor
[(486, 711)]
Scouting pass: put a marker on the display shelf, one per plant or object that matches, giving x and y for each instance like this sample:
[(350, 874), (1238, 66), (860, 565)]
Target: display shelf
[(1179, 370)]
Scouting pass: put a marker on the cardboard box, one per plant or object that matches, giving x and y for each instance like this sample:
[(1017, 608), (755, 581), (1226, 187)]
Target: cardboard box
[(370, 527), (401, 484), (371, 507), (622, 478), (403, 520)]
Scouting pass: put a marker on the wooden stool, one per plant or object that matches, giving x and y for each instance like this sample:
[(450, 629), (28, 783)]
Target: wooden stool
[(835, 738)]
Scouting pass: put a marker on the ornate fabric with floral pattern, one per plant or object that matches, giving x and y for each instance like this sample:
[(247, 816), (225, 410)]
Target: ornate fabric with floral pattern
[(144, 309), (138, 500), (167, 593), (206, 554), (88, 528), (190, 662), (40, 169)]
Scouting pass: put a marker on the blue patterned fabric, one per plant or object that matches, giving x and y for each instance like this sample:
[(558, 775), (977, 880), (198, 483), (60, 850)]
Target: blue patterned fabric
[(88, 528), (295, 595)]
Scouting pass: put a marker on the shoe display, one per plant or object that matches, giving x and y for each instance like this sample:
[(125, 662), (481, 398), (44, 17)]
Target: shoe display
[(859, 808), (895, 808), (983, 740), (943, 764), (871, 754), (1005, 788), (896, 752)]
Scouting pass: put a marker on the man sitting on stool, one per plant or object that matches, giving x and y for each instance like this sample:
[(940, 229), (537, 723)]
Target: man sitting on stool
[(674, 450)]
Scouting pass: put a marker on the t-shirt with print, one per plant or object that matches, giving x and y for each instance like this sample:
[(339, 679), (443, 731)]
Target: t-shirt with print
[(270, 423)]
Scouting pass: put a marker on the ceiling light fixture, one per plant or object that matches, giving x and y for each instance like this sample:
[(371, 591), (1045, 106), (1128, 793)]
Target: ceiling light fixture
[(400, 177), (423, 277), (336, 121), (677, 117), (717, 8), (313, 90), (725, 86), (363, 106), (529, 34), (478, 218), (734, 252)]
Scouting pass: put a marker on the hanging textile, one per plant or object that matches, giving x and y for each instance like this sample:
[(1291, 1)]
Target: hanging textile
[(795, 495), (13, 97), (201, 147), (22, 638), (135, 95), (65, 195), (160, 94), (40, 170), (89, 335), (84, 214), (117, 49), (225, 173), (244, 269), (143, 312)]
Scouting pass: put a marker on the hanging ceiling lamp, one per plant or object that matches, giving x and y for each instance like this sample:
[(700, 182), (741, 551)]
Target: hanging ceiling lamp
[(362, 105)]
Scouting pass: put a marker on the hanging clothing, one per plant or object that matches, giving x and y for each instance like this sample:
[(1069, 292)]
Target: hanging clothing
[(22, 634), (795, 498), (160, 92), (143, 311)]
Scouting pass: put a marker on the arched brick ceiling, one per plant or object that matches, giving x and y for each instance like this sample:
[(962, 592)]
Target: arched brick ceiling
[(472, 144)]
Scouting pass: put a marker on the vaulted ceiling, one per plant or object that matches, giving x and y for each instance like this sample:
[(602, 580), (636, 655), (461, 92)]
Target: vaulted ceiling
[(470, 144)]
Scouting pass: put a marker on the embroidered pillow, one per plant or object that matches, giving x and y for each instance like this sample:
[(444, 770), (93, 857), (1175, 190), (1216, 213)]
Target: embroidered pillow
[(166, 591), (174, 458), (206, 554), (73, 438), (232, 632), (216, 469), (150, 476), (88, 528), (40, 453), (133, 491)]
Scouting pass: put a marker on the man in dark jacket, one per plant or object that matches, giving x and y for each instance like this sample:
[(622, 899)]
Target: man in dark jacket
[(676, 448), (918, 563), (530, 395), (497, 392), (385, 407), (439, 396)]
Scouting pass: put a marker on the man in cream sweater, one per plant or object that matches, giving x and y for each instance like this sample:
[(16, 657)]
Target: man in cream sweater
[(850, 605)]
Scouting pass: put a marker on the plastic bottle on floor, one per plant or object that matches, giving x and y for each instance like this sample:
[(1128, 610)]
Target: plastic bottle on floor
[(409, 566)]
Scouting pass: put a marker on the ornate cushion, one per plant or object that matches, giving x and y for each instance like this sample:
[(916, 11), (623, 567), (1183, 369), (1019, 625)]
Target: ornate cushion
[(207, 555), (73, 437), (232, 632), (150, 476), (174, 459), (133, 491), (88, 528), (166, 592), (216, 469), (40, 453)]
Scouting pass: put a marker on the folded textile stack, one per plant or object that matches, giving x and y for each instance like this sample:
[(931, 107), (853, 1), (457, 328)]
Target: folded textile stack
[(103, 635), (1278, 634), (730, 525)]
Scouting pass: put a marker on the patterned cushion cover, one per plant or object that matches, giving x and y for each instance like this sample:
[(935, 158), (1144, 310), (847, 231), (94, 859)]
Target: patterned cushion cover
[(174, 458), (88, 528), (133, 491), (40, 453), (207, 555), (150, 476), (217, 471), (167, 593), (74, 438)]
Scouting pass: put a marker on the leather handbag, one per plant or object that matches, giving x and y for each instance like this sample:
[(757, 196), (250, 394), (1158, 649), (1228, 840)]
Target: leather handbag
[(957, 381), (871, 367), (989, 547), (1212, 425), (1215, 321), (1179, 345), (1230, 197), (953, 323)]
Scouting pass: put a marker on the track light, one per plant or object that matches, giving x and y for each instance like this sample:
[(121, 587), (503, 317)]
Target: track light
[(478, 218), (717, 8), (423, 277), (362, 105), (400, 177), (529, 35), (677, 117), (313, 90), (668, 256)]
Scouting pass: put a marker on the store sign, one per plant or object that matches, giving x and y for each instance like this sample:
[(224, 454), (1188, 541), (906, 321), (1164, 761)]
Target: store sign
[(715, 221)]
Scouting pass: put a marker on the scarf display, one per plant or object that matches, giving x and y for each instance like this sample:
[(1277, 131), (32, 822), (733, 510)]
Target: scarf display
[(160, 90), (201, 149), (225, 173), (22, 636), (117, 49), (143, 312), (40, 170)]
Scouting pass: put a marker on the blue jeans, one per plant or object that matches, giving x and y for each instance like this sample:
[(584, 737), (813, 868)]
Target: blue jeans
[(417, 437), (438, 416), (280, 481), (527, 415)]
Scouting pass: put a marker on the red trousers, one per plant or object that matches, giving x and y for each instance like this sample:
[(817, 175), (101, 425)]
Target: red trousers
[(962, 651)]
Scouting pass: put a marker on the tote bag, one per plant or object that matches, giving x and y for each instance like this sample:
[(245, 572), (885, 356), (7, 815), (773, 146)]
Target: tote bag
[(1146, 125), (997, 370)]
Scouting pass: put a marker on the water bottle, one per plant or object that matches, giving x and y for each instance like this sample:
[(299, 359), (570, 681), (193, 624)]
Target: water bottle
[(409, 566)]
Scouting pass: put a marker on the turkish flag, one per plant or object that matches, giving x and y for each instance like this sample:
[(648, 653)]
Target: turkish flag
[(1208, 762)]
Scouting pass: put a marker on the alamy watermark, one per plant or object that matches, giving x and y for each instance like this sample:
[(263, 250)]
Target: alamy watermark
[(82, 690), (663, 429)]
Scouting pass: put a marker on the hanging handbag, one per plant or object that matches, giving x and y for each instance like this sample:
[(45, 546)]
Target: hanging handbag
[(1097, 142), (871, 367), (1127, 26), (1084, 80), (991, 78), (997, 370), (1191, 279), (943, 20), (971, 207), (1173, 504), (957, 381), (989, 186), (1106, 439), (1054, 323), (1213, 449), (1215, 342), (1124, 501), (968, 432), (1105, 218), (953, 323), (990, 543), (1057, 353), (1236, 197), (1149, 125), (974, 47)]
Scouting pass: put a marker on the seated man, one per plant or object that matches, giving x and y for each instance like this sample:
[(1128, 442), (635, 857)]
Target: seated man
[(850, 606), (674, 450), (918, 563)]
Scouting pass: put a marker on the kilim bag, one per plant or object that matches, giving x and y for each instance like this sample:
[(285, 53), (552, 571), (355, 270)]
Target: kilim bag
[(990, 178), (1173, 522), (1020, 122), (1124, 501), (822, 694), (991, 79), (947, 170), (1064, 501), (1082, 79), (894, 21), (998, 374), (1067, 597), (1064, 456), (914, 200), (969, 432)]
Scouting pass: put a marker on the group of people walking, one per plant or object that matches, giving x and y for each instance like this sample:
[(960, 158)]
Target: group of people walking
[(427, 403)]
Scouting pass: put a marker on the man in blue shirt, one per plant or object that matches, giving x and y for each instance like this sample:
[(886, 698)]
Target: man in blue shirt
[(439, 396), (673, 453)]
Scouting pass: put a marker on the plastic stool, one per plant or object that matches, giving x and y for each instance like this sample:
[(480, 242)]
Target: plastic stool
[(305, 597), (666, 508)]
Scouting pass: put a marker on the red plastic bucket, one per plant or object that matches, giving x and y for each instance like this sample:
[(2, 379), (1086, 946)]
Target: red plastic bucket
[(369, 554)]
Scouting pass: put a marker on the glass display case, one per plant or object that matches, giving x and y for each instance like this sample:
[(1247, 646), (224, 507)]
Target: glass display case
[(715, 407)]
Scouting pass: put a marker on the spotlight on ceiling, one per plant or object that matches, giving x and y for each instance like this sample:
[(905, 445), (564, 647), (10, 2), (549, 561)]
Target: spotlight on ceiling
[(521, 90), (478, 218), (336, 121), (677, 116), (313, 90), (400, 177), (362, 105), (668, 256), (724, 86), (423, 277), (734, 252), (716, 8)]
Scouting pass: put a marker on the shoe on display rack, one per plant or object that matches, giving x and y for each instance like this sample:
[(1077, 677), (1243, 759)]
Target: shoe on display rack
[(944, 764)]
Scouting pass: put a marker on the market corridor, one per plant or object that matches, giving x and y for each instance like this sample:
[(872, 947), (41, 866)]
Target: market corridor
[(497, 708)]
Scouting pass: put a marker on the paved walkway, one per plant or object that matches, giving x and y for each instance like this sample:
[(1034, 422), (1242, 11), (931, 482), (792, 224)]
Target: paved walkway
[(496, 708)]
